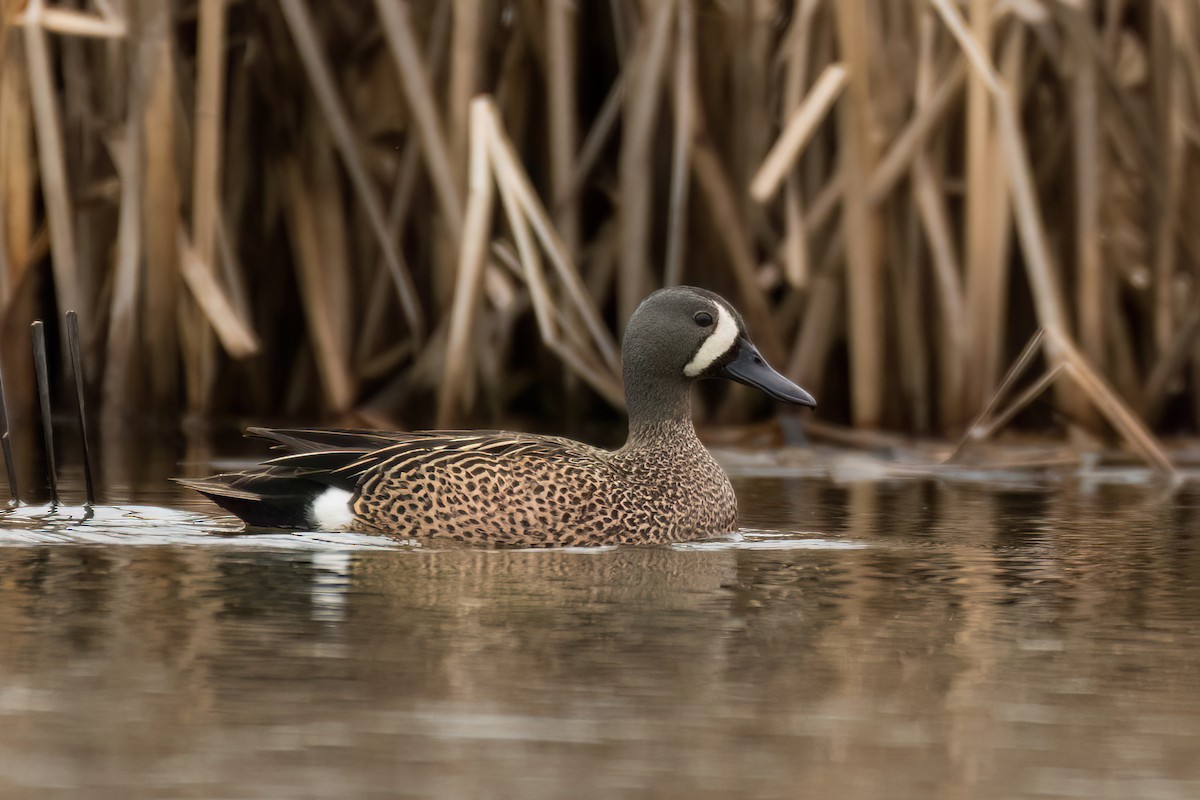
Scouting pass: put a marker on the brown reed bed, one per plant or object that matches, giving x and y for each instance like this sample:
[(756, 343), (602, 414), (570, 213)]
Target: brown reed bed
[(383, 210)]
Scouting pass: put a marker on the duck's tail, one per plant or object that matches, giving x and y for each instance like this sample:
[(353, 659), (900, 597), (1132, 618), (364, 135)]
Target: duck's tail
[(310, 488), (265, 499)]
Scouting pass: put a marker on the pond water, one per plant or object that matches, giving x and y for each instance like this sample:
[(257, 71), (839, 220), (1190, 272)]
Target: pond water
[(860, 639)]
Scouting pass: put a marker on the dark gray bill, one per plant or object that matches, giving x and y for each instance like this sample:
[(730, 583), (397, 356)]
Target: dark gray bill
[(750, 368)]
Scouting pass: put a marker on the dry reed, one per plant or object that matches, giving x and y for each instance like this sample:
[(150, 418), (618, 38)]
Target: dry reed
[(895, 196)]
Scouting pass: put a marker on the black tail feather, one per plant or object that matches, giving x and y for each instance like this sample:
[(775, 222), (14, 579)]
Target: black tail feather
[(262, 499)]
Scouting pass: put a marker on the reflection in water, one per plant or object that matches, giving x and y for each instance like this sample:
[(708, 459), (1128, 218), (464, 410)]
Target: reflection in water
[(909, 639)]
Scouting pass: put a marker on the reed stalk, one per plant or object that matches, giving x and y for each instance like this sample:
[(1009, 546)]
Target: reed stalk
[(470, 268), (206, 172), (796, 251), (51, 156), (268, 205), (636, 179), (860, 228), (160, 209), (681, 144)]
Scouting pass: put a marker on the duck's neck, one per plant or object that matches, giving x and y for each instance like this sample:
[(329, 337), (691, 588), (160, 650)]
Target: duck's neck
[(658, 411)]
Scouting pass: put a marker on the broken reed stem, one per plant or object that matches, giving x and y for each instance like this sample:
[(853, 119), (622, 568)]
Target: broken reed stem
[(76, 354), (528, 263), (799, 129), (234, 333), (508, 166), (1015, 371), (42, 372), (1118, 414), (232, 273), (520, 210), (898, 159), (1022, 400), (68, 22)]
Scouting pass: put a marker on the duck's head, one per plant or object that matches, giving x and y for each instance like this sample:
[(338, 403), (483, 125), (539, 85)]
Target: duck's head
[(684, 334)]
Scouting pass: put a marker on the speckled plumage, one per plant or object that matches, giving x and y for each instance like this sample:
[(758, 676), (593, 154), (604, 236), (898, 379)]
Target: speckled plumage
[(523, 489)]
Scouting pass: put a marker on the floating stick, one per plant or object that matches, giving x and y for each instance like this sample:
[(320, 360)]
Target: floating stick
[(77, 371), (6, 443), (43, 387)]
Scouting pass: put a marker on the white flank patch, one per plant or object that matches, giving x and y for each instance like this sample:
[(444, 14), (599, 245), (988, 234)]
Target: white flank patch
[(331, 510), (724, 334)]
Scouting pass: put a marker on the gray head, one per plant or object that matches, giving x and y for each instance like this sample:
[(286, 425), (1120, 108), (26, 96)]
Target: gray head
[(683, 334)]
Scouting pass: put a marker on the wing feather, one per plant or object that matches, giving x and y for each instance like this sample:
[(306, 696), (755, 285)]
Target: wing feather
[(343, 458)]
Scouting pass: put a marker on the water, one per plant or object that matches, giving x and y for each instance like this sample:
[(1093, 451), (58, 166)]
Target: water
[(861, 639)]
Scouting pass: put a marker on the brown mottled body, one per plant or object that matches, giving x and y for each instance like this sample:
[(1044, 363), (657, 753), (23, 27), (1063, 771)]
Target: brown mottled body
[(521, 489)]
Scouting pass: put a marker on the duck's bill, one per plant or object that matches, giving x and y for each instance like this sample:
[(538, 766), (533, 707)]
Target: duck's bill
[(750, 368)]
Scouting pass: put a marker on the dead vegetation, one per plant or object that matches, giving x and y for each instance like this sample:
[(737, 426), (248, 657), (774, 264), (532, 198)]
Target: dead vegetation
[(282, 206)]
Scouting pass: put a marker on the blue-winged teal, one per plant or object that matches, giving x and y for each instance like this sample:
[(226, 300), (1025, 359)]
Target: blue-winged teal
[(523, 489)]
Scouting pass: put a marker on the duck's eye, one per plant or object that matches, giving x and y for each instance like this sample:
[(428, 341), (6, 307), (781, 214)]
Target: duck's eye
[(703, 319)]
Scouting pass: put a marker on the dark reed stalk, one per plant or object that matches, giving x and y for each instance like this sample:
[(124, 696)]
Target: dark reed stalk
[(80, 407), (10, 467), (43, 389)]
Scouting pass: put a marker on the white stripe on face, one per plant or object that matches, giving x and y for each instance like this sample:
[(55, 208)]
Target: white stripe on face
[(718, 343)]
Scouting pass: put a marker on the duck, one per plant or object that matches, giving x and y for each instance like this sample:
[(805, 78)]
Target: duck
[(502, 488)]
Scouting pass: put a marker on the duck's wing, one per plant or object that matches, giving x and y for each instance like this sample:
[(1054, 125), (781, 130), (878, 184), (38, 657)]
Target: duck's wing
[(284, 492), (349, 455)]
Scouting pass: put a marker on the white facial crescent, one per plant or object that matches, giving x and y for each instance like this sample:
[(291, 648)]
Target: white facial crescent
[(718, 343)]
